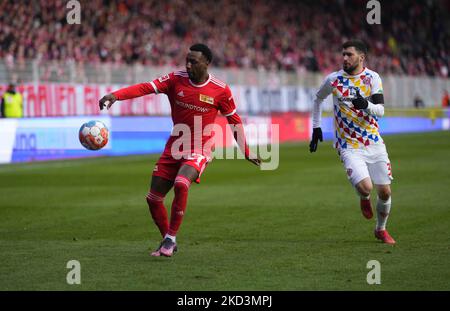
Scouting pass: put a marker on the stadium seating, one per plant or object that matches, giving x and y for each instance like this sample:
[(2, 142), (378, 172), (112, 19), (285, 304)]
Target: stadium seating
[(412, 38)]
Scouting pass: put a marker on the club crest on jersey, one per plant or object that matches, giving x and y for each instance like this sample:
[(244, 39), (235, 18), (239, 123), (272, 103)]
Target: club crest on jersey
[(349, 172), (207, 99), (367, 80), (164, 78)]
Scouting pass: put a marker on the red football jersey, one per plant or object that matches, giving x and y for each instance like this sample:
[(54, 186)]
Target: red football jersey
[(195, 106), (192, 105)]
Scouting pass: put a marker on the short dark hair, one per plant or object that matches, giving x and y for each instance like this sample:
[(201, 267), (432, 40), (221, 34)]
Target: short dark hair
[(200, 47), (359, 45)]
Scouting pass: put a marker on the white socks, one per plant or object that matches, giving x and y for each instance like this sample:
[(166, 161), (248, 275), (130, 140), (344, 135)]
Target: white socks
[(170, 237), (383, 209)]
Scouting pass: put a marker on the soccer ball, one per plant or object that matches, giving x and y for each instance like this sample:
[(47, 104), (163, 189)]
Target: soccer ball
[(94, 135)]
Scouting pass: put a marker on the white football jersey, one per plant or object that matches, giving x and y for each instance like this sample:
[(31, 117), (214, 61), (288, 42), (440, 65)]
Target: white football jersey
[(353, 128)]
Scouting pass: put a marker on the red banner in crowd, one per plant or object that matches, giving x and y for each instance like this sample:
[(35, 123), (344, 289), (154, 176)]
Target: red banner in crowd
[(58, 100), (294, 126)]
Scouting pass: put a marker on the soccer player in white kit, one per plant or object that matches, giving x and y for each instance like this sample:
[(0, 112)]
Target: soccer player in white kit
[(358, 102)]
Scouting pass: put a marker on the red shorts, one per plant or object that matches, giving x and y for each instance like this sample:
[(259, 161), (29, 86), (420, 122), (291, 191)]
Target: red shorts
[(167, 167)]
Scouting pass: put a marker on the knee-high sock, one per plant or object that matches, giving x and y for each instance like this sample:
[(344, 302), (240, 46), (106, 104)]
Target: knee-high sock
[(181, 187), (155, 201), (383, 209)]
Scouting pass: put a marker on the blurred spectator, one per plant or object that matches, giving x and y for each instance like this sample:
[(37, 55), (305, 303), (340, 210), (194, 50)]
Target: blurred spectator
[(11, 105), (418, 102), (445, 100), (412, 39)]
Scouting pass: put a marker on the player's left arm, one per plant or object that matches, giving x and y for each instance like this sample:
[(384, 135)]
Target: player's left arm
[(375, 103), (228, 108)]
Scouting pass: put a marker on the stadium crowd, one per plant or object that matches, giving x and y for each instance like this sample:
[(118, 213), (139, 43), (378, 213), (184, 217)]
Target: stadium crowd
[(413, 37)]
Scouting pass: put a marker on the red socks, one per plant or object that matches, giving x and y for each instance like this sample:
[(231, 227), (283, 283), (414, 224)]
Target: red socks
[(155, 201), (181, 187)]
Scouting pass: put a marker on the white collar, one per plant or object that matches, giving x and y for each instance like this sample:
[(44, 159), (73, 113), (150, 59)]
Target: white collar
[(201, 85)]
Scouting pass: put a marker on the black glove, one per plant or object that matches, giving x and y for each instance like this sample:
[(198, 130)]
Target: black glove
[(359, 102), (316, 136)]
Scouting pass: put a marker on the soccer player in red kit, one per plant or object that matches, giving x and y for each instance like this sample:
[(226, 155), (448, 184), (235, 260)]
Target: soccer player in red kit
[(195, 97)]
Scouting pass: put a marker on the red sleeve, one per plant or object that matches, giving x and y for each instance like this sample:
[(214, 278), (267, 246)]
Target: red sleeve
[(133, 91), (160, 85), (164, 83), (226, 105), (239, 133)]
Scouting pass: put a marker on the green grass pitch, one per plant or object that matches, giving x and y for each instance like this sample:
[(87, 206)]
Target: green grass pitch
[(296, 228)]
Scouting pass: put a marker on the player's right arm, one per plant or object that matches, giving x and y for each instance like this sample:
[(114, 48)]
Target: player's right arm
[(160, 85), (323, 92)]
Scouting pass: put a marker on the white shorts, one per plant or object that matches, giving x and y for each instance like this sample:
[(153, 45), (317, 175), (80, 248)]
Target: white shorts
[(371, 161)]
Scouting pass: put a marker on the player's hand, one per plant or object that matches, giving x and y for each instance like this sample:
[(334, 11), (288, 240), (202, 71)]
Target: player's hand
[(110, 98), (316, 136), (359, 102), (253, 159)]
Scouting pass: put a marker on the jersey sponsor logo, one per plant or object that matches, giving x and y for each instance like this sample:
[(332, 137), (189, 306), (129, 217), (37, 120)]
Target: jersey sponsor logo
[(191, 106), (163, 78), (207, 99), (180, 94)]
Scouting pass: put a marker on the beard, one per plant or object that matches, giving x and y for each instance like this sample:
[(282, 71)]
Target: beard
[(349, 69)]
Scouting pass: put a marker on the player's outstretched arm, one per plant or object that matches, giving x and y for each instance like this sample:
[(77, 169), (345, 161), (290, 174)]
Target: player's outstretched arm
[(239, 136), (133, 91)]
